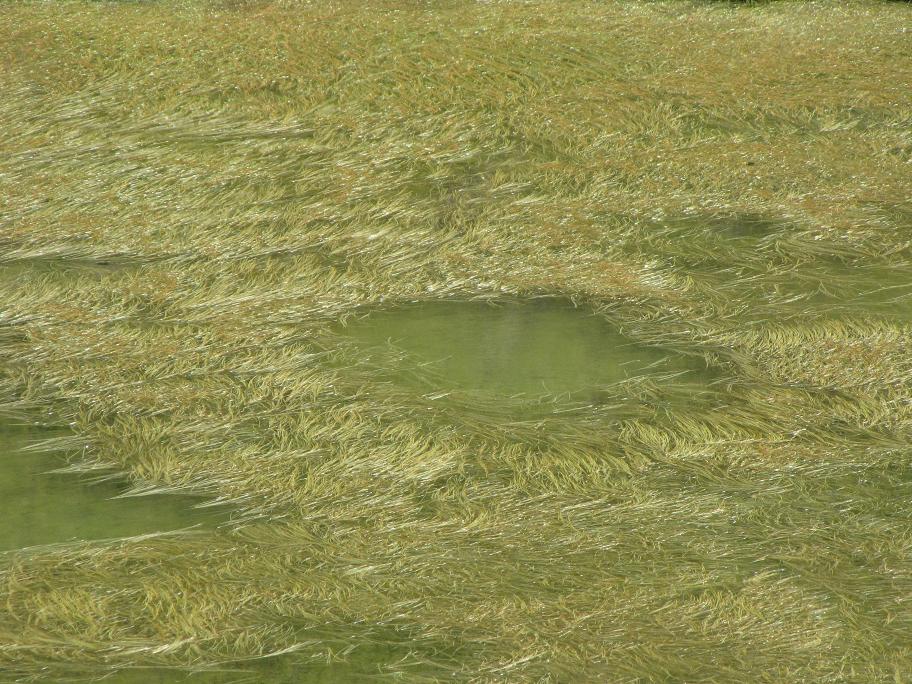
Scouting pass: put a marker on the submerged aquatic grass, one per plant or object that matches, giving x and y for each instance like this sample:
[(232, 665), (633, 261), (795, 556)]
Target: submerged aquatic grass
[(199, 199)]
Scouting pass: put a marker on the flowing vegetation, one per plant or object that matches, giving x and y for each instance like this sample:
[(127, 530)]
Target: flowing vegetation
[(195, 195)]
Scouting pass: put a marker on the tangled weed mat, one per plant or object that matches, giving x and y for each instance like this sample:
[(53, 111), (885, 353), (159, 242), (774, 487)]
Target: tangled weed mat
[(195, 195)]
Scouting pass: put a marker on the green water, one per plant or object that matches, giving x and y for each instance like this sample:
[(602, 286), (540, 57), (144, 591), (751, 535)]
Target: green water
[(535, 349), (361, 665), (41, 507)]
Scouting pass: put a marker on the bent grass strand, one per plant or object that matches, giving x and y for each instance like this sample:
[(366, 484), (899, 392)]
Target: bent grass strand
[(189, 222)]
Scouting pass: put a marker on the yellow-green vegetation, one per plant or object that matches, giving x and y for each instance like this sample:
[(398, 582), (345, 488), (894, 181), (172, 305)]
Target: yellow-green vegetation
[(194, 196)]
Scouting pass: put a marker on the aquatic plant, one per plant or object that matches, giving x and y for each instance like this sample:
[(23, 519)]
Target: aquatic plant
[(196, 194)]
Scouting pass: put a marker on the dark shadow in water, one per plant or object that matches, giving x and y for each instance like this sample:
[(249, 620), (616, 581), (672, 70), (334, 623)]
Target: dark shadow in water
[(41, 507), (737, 226), (532, 349)]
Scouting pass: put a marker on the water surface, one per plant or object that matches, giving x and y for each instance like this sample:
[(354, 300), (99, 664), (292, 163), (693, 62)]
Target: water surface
[(41, 507), (534, 349)]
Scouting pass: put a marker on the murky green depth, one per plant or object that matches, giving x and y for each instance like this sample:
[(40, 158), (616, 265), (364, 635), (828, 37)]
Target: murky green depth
[(535, 349), (39, 507)]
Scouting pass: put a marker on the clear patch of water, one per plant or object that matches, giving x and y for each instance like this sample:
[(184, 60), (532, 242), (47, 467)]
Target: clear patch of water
[(531, 349), (38, 506)]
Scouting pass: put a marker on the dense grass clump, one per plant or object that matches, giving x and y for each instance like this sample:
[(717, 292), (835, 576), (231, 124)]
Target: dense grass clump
[(194, 196)]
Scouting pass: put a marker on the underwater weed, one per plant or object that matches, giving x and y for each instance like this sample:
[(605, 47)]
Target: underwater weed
[(187, 219)]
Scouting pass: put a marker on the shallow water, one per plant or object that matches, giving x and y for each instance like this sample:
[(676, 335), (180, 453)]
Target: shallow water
[(771, 268), (540, 348), (40, 507), (362, 665)]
